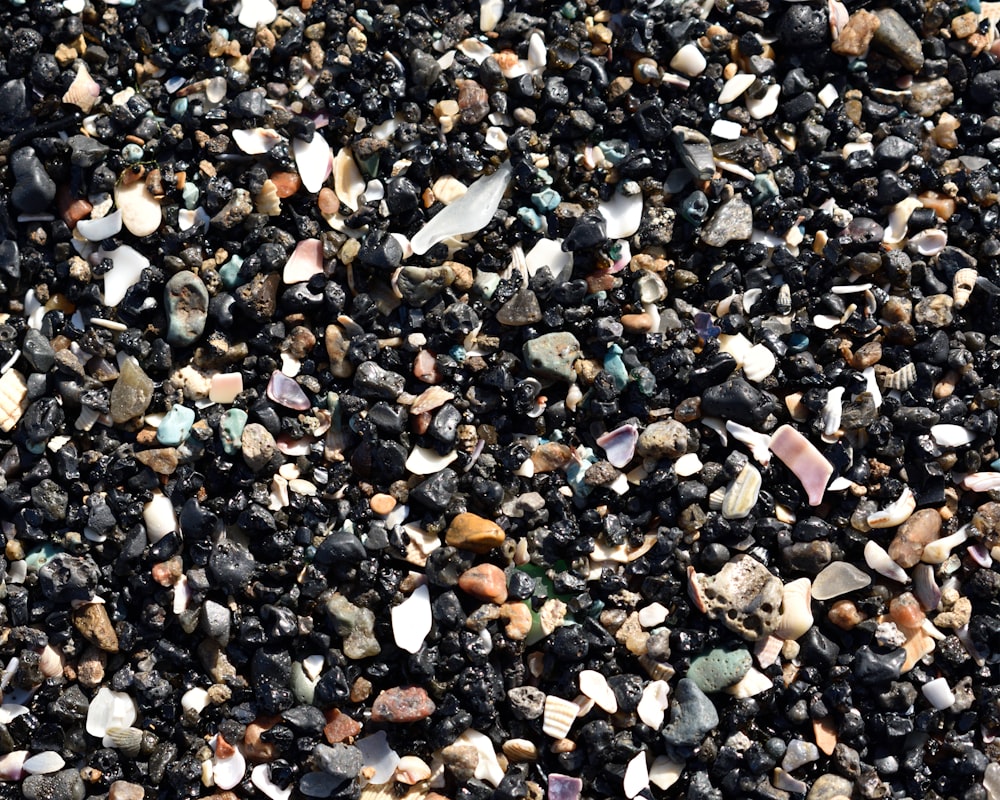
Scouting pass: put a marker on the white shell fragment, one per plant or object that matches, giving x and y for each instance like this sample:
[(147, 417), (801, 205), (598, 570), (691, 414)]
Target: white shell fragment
[(257, 141), (742, 493), (13, 399), (425, 461), (654, 702), (596, 687), (468, 214), (127, 267), (951, 435), (664, 772), (12, 765), (490, 13), (488, 768), (378, 757), (753, 683), (97, 230), (412, 620), (765, 105), (735, 87), (257, 12), (622, 213), (937, 552), (558, 716), (229, 771), (689, 60), (896, 513), (759, 443), (796, 613), (260, 776), (619, 444), (313, 161), (878, 559), (939, 693), (195, 700), (305, 261), (636, 775), (110, 709), (84, 91), (140, 211), (43, 763)]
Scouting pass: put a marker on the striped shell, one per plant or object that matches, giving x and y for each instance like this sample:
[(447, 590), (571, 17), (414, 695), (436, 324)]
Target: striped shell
[(963, 284), (558, 716), (128, 740), (902, 379), (266, 201), (520, 750)]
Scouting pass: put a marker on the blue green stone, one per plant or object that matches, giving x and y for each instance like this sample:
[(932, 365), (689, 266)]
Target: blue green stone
[(231, 429), (717, 669), (615, 367), (176, 426), (229, 273)]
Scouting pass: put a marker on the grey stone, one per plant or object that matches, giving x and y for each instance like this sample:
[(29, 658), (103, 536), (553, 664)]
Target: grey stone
[(692, 716), (896, 37), (732, 222), (186, 299), (552, 356), (744, 596)]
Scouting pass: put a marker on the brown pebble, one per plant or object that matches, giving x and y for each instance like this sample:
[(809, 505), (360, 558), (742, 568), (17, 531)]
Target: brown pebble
[(519, 620), (402, 704), (474, 533), (327, 201), (845, 615), (93, 623), (919, 530), (906, 612), (361, 689), (340, 727), (90, 668), (857, 34), (461, 760), (485, 581), (123, 790), (253, 747), (382, 503), (551, 456), (162, 460)]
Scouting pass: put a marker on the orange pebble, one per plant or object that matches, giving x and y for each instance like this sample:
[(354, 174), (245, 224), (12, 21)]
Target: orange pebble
[(906, 612), (286, 183), (382, 503), (845, 615), (327, 201)]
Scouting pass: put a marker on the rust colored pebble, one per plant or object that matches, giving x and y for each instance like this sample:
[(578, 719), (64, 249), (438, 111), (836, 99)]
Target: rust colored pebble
[(382, 503), (906, 612), (485, 581), (402, 704), (474, 533), (845, 615), (286, 183), (340, 727), (327, 201)]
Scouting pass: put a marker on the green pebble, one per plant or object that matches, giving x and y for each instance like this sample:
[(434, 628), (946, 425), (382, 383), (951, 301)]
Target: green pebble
[(568, 10), (717, 669), (764, 188), (552, 356), (40, 556), (486, 284), (546, 200), (229, 273), (615, 367), (231, 429), (190, 195), (176, 426), (179, 107)]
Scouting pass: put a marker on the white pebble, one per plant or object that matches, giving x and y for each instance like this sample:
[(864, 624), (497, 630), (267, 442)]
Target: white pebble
[(596, 687), (939, 693), (735, 87), (689, 464), (726, 129), (257, 12), (652, 615), (828, 95), (488, 768), (653, 703), (140, 211), (689, 60), (878, 559), (951, 435), (257, 141), (227, 772), (490, 13), (765, 106), (636, 775), (313, 159), (412, 620), (159, 517), (44, 763)]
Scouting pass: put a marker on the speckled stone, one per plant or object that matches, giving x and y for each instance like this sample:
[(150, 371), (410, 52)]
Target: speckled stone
[(186, 299), (717, 669), (402, 704), (552, 356)]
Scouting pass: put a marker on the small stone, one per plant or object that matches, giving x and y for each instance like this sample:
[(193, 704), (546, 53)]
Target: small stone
[(356, 626), (744, 596), (928, 98), (471, 532), (132, 392), (871, 667), (527, 702), (717, 669), (123, 790), (342, 761), (186, 299), (521, 309), (564, 787), (33, 190), (162, 460), (402, 705), (258, 299), (895, 36), (140, 212), (65, 785), (418, 285), (732, 222), (239, 207), (695, 151), (258, 446), (38, 351), (93, 623), (175, 427), (830, 787), (919, 530), (340, 727), (589, 231), (857, 34), (231, 428), (667, 439), (286, 392), (692, 716), (486, 582), (838, 578), (552, 356)]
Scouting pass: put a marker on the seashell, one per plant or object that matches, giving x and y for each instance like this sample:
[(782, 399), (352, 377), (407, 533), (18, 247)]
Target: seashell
[(488, 768), (899, 218), (425, 461), (832, 410), (825, 734), (785, 782), (657, 670), (141, 212), (266, 201), (925, 587), (952, 435), (978, 553), (412, 620), (257, 12), (896, 513), (305, 261), (735, 87), (520, 750), (664, 772), (902, 379), (937, 552), (961, 287), (689, 464), (878, 559), (753, 683), (939, 693), (558, 716), (43, 763), (981, 481), (260, 776), (765, 105), (717, 498), (12, 765), (807, 463), (476, 50), (622, 213), (490, 13), (50, 661), (126, 270), (411, 770), (759, 363), (742, 493), (347, 181), (595, 686), (619, 444), (97, 230), (230, 771), (653, 703), (126, 739), (380, 760), (929, 242), (636, 775), (84, 91), (11, 711), (257, 141), (430, 399), (13, 399), (313, 159), (796, 613), (194, 700), (108, 710)]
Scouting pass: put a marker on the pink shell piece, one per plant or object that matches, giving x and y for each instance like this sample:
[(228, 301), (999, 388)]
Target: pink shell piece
[(802, 458), (619, 444), (286, 392), (306, 260), (12, 765)]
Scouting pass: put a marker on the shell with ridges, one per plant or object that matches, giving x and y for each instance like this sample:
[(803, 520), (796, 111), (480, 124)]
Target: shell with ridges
[(266, 201), (962, 285), (520, 750), (84, 91), (902, 379), (558, 716), (128, 740)]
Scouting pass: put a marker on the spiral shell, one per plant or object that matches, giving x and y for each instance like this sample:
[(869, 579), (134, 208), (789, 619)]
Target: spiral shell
[(902, 379), (963, 284), (267, 201)]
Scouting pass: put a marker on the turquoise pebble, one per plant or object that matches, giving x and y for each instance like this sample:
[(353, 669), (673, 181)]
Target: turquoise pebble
[(995, 465), (546, 200), (717, 669), (179, 107), (190, 195), (568, 10), (615, 367), (615, 150), (458, 353), (231, 429), (530, 218), (974, 5), (694, 207), (365, 19), (176, 426), (132, 153), (40, 556), (229, 273), (543, 176), (764, 188)]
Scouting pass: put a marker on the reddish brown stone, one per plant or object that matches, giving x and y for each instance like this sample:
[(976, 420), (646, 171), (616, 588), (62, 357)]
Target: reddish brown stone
[(485, 581), (340, 727), (402, 704), (286, 183)]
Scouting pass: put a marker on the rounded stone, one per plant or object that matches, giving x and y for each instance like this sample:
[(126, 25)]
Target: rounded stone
[(718, 668), (667, 439), (474, 533), (186, 299), (258, 446), (484, 581), (913, 535)]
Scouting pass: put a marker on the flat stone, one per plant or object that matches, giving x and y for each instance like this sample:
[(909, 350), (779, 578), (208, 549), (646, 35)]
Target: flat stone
[(732, 222), (402, 704), (469, 531), (132, 392), (717, 669), (186, 299), (871, 667), (692, 716), (552, 356)]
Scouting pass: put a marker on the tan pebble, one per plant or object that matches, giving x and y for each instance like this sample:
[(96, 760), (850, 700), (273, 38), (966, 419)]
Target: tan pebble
[(360, 690), (469, 531), (93, 623), (519, 620), (825, 734), (857, 34), (942, 205), (485, 581), (956, 616), (637, 323), (563, 746), (123, 790), (845, 615), (328, 201), (253, 747), (964, 25), (551, 456), (913, 535), (382, 503), (340, 727), (90, 668)]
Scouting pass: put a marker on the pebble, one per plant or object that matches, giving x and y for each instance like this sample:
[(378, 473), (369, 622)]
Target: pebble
[(476, 534), (33, 190), (402, 705), (692, 716), (257, 445), (485, 582), (132, 392), (732, 222), (94, 624), (744, 596), (717, 669), (913, 535), (175, 426), (186, 299), (668, 439), (552, 356), (895, 36)]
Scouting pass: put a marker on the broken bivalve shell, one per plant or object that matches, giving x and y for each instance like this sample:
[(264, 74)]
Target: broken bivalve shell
[(796, 614), (937, 552), (896, 513), (951, 435), (878, 559), (902, 379), (653, 704), (595, 686), (558, 716), (411, 770), (520, 750), (929, 242), (753, 683), (742, 493)]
